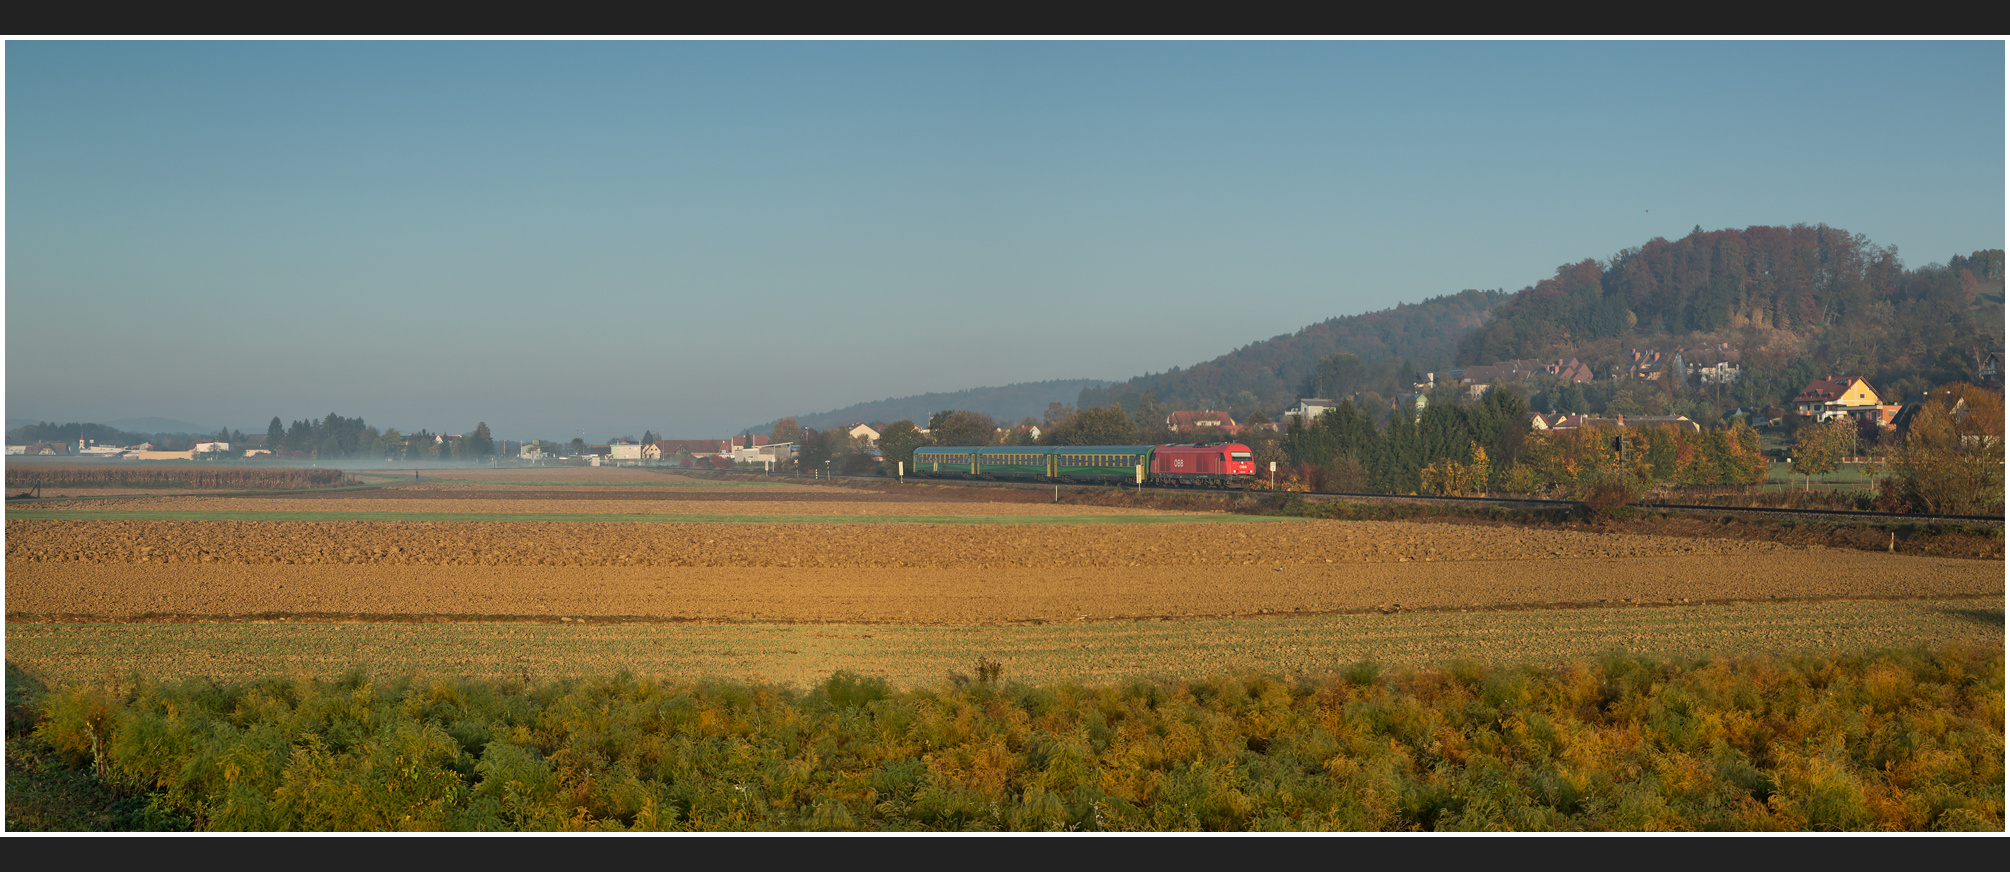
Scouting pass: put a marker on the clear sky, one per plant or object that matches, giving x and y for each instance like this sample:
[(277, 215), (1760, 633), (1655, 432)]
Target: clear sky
[(700, 237)]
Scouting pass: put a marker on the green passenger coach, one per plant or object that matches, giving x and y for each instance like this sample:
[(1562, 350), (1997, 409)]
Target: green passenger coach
[(1088, 463)]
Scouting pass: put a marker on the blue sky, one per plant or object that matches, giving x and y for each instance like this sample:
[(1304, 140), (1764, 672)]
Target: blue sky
[(700, 237)]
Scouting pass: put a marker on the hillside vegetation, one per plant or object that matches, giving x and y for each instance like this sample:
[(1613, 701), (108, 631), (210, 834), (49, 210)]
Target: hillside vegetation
[(1268, 376), (1799, 302), (1797, 292)]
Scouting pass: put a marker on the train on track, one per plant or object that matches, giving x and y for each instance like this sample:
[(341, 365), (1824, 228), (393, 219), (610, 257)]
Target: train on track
[(1213, 464)]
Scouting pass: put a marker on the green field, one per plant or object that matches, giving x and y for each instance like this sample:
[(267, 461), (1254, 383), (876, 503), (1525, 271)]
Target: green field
[(1850, 478), (552, 483)]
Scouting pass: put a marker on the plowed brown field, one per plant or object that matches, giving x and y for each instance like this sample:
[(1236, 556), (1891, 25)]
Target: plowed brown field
[(912, 574), (585, 544)]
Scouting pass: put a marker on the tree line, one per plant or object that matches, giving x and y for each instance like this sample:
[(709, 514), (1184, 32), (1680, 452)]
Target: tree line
[(336, 437), (98, 434)]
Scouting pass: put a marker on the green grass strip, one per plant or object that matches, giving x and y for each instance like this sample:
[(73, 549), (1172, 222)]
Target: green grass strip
[(605, 518)]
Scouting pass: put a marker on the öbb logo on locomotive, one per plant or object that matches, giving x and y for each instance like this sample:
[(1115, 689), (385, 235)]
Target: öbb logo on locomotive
[(1213, 464)]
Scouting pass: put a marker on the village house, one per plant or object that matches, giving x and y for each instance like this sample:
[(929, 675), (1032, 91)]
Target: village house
[(1711, 365), (1678, 421), (1309, 409), (1187, 422), (160, 455), (1477, 379), (861, 431), (1644, 364), (765, 452), (669, 449), (1543, 422), (1826, 399), (1415, 402), (1559, 421)]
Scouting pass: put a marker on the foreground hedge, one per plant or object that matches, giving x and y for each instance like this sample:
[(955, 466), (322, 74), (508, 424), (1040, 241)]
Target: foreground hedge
[(1898, 741)]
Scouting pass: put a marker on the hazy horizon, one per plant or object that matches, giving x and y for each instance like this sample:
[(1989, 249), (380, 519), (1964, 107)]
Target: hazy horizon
[(699, 237)]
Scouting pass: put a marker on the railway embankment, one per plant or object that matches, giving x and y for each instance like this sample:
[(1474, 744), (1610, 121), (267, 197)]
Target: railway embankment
[(1921, 535)]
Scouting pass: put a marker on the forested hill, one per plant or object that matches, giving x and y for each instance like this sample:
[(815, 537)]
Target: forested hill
[(1269, 376), (1817, 292), (1008, 404)]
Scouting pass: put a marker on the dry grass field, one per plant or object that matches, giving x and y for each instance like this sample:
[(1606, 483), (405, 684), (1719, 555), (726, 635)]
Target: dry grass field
[(576, 571)]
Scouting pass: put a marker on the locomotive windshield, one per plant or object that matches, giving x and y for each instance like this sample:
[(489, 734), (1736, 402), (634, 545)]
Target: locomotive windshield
[(1239, 455)]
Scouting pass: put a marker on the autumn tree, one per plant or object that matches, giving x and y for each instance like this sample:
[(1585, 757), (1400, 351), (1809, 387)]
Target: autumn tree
[(1450, 478), (1149, 420), (898, 441), (1104, 425), (786, 430), (1819, 449), (958, 427), (1951, 459)]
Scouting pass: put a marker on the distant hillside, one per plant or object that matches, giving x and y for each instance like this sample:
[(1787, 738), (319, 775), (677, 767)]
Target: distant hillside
[(143, 426), (1268, 376), (1007, 404), (1820, 296), (1799, 301)]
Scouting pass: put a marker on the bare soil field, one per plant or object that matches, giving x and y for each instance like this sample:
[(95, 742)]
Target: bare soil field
[(1216, 587), (683, 503), (56, 493), (974, 592), (555, 543)]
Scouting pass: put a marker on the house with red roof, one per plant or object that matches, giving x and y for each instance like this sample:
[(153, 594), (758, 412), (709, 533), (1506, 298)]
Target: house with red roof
[(1187, 422), (1836, 397)]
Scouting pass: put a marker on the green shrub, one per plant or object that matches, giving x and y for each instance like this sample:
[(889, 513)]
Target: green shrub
[(1909, 740)]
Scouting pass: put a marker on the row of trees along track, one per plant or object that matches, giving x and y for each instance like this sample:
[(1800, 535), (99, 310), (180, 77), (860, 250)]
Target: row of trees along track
[(1261, 499)]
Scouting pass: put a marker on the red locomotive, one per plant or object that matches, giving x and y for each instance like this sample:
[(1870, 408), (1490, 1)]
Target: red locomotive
[(1219, 464)]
